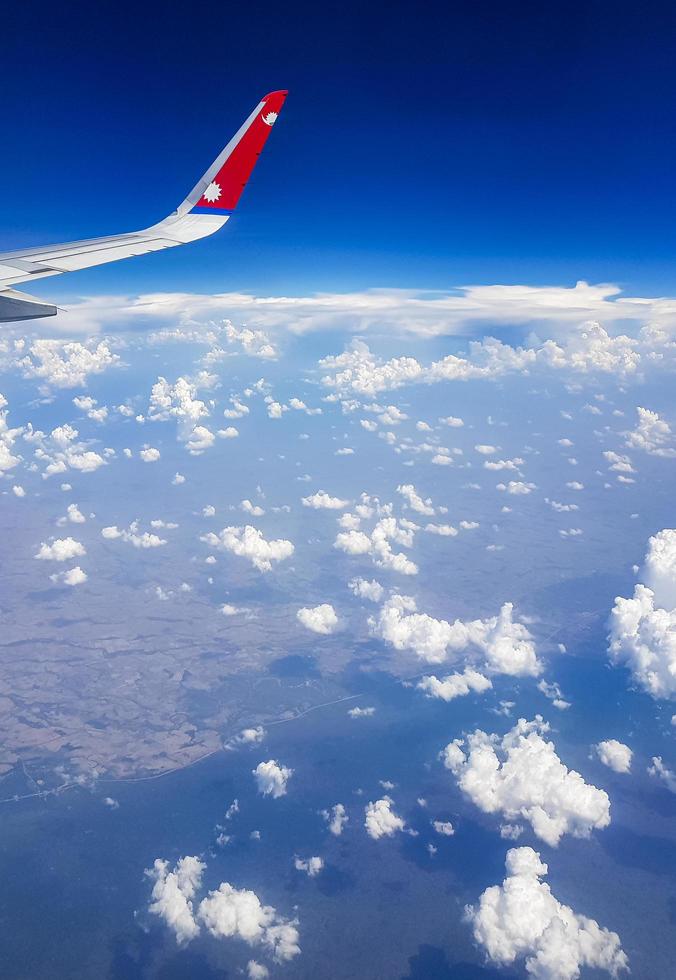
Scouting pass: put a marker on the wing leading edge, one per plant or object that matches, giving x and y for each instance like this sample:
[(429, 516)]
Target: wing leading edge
[(204, 211)]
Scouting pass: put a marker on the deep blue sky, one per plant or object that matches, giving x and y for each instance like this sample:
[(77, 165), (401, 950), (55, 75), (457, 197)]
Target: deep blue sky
[(424, 146)]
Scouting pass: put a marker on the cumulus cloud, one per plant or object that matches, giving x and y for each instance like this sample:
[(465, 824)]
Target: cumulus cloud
[(179, 401), (521, 776), (248, 542), (149, 454), (226, 912), (7, 439), (507, 646), (415, 501), (61, 549), (443, 827), (616, 755), (324, 501), (248, 736), (256, 971), (380, 820), (67, 364), (132, 536), (642, 633), (173, 893), (255, 343), (521, 919), (361, 587), (74, 576), (336, 818), (517, 487), (454, 685), (442, 530), (589, 349), (377, 543), (659, 569), (652, 435), (311, 866), (230, 912), (60, 451), (319, 619), (361, 712), (271, 778), (662, 772)]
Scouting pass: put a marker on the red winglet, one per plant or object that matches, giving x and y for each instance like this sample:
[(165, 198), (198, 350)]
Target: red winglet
[(224, 190)]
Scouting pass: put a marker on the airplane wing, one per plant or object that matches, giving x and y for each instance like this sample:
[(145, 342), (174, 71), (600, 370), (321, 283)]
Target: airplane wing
[(205, 210)]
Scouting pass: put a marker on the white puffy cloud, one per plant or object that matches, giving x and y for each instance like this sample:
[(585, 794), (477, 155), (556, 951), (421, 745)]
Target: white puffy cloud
[(496, 465), (248, 736), (588, 349), (377, 543), (616, 755), (319, 619), (336, 818), (442, 530), (324, 501), (311, 866), (132, 536), (517, 487), (361, 712), (415, 501), (454, 685), (60, 451), (507, 646), (149, 454), (230, 912), (521, 919), (179, 401), (659, 569), (7, 439), (256, 971), (275, 409), (74, 576), (173, 894), (443, 827), (226, 912), (642, 632), (663, 773), (521, 776), (380, 820), (74, 515), (199, 439), (61, 549), (66, 364), (252, 509), (88, 405), (553, 692), (271, 778), (361, 587), (652, 434), (248, 542), (255, 343)]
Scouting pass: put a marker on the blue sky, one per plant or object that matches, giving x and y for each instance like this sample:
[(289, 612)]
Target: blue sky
[(338, 554), (463, 143)]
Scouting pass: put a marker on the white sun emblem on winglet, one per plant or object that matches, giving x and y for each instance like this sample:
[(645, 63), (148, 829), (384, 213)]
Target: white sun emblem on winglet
[(213, 192), (269, 118)]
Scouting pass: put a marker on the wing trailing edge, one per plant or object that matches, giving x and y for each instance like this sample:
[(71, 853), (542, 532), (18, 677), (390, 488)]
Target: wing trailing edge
[(20, 306)]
